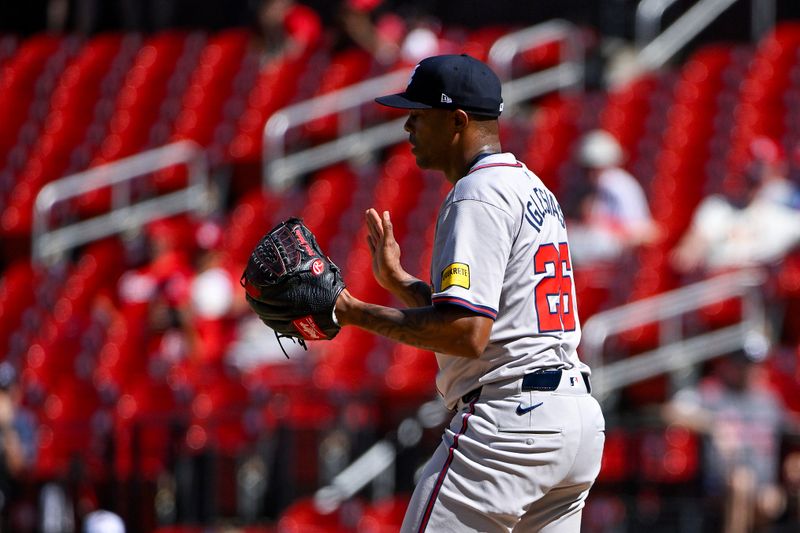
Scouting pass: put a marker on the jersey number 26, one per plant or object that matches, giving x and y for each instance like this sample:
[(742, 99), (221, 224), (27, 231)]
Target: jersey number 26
[(554, 305)]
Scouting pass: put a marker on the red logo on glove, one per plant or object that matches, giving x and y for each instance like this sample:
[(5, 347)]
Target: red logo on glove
[(304, 242), (251, 289), (317, 267), (308, 329)]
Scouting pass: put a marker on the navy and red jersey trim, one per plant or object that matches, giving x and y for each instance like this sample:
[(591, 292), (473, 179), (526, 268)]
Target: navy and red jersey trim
[(443, 472), (466, 304), (490, 165)]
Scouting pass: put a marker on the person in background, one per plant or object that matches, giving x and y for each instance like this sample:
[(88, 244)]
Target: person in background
[(742, 420), (358, 22), (285, 28), (614, 215), (791, 476), (755, 222), (101, 521), (17, 443)]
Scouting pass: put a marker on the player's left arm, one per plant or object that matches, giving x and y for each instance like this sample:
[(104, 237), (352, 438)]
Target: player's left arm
[(443, 328)]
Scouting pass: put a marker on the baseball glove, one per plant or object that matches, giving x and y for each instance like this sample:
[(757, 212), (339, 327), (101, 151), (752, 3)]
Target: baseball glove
[(292, 285)]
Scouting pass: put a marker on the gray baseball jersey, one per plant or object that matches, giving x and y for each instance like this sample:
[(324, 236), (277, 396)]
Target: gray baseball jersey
[(513, 458), (501, 251)]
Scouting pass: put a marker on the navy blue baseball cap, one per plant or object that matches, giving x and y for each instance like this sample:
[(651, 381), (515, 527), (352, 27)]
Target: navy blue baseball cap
[(450, 82)]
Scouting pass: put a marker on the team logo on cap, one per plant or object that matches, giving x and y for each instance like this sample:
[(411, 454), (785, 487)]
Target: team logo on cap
[(446, 99), (411, 77)]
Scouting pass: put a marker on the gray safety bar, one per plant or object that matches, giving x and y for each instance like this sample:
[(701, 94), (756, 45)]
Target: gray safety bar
[(50, 242), (281, 169)]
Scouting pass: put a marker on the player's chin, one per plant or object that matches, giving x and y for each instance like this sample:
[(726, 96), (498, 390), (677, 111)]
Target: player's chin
[(421, 159)]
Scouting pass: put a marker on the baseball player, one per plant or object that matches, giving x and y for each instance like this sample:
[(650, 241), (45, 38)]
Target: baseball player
[(525, 443)]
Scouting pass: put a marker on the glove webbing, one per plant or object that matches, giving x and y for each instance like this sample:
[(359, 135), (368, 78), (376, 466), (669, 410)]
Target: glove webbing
[(298, 340), (278, 336)]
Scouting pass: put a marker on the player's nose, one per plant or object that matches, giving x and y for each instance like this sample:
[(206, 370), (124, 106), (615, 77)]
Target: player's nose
[(408, 125)]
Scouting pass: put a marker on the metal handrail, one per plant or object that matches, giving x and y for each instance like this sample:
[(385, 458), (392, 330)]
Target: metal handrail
[(649, 14), (683, 30), (348, 98), (568, 73), (48, 243), (508, 47), (280, 170), (676, 350)]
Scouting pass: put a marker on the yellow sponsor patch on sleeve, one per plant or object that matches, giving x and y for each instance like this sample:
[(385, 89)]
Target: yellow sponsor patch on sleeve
[(455, 275)]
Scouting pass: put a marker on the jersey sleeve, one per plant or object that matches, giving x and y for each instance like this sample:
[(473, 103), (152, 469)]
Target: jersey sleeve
[(473, 244)]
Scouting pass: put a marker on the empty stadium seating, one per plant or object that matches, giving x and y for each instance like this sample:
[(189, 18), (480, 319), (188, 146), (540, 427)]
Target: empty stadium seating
[(92, 362)]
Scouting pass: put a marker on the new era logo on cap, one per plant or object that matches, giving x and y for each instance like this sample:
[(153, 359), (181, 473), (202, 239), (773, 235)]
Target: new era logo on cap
[(450, 82)]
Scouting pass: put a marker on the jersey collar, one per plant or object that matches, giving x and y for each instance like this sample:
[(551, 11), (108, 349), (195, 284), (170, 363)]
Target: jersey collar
[(504, 159)]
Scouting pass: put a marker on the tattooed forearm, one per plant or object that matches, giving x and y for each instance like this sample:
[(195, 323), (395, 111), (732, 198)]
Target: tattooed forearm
[(444, 329), (411, 291), (449, 330), (409, 326), (417, 294)]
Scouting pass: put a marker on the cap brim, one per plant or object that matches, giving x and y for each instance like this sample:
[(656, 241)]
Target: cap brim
[(400, 101)]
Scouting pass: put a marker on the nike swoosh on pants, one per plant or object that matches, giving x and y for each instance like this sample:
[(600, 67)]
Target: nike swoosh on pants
[(522, 410)]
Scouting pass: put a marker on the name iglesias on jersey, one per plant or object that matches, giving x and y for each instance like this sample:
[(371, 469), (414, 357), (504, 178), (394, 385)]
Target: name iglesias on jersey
[(542, 203)]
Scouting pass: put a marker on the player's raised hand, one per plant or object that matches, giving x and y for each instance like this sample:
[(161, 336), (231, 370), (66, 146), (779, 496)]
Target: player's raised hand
[(384, 250)]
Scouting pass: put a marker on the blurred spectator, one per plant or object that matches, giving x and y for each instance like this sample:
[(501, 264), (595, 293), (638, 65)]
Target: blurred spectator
[(213, 307), (286, 28), (101, 521), (614, 215), (791, 475), (56, 511), (358, 21), (756, 222), (17, 445), (422, 41), (742, 420), (158, 293)]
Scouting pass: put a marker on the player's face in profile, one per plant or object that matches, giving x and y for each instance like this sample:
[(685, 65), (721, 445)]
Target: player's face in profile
[(430, 134)]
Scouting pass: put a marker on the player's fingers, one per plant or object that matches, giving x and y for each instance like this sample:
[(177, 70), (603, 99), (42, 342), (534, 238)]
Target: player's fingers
[(388, 229), (371, 243), (374, 224)]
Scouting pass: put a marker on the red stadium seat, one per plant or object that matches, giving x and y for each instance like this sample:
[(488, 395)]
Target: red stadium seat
[(329, 196), (669, 456), (411, 373), (151, 421), (71, 430), (210, 86), (218, 410), (15, 297), (626, 112), (303, 517), (249, 220), (384, 516), (553, 130), (274, 89), (680, 176), (346, 68), (18, 77), (478, 42)]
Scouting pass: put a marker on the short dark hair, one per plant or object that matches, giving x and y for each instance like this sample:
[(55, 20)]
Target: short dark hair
[(481, 118)]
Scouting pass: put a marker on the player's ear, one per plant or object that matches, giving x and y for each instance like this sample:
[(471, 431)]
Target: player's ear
[(460, 119)]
